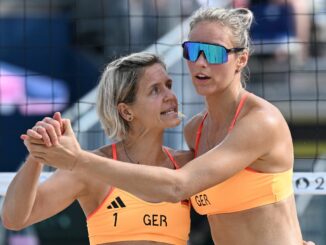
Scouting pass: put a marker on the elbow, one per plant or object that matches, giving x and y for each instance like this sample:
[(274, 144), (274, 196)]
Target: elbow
[(178, 191), (11, 225), (177, 195), (172, 187)]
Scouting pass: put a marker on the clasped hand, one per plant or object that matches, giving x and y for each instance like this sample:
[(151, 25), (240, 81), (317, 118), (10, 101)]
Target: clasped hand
[(53, 142)]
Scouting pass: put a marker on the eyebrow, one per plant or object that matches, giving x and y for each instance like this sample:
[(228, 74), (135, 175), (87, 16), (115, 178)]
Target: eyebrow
[(156, 83)]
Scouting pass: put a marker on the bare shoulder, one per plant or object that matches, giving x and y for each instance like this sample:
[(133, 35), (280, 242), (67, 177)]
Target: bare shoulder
[(190, 129), (181, 156), (263, 120), (272, 142), (264, 115)]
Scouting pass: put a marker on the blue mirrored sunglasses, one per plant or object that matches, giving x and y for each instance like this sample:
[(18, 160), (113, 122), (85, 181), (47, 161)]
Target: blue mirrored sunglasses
[(214, 53)]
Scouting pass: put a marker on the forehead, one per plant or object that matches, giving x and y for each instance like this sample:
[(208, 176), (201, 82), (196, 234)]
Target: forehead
[(211, 32), (153, 73)]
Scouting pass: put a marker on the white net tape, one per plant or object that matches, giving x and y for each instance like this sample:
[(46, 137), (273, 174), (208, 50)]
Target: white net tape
[(6, 178)]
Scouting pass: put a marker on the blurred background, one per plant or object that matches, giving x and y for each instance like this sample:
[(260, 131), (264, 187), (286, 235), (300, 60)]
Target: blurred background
[(52, 53)]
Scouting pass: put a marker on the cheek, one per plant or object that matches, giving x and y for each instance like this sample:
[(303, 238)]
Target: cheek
[(223, 70), (153, 107), (222, 76), (191, 66)]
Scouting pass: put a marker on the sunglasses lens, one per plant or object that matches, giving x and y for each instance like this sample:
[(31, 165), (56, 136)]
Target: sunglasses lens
[(214, 54), (191, 51)]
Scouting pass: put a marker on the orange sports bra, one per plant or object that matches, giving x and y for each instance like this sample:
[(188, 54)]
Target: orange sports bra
[(124, 217), (245, 190)]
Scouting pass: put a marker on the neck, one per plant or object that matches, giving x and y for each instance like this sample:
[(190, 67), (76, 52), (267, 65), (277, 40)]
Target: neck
[(222, 106), (143, 149), (221, 111)]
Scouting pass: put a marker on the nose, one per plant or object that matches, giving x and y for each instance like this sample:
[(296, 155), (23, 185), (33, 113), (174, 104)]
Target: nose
[(169, 95), (201, 61)]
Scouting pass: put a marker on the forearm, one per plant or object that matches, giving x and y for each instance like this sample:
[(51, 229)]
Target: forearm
[(153, 184), (21, 194)]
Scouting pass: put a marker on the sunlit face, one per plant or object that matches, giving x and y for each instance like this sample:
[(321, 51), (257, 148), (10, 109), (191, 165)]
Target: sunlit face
[(156, 104), (211, 78)]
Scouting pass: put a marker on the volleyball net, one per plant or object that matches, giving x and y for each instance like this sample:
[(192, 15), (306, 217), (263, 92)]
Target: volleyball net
[(53, 60)]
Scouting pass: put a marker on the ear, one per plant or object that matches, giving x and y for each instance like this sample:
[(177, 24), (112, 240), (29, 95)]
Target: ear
[(125, 112), (242, 60)]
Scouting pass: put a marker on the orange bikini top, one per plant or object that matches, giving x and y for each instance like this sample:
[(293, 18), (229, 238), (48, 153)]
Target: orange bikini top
[(245, 190), (124, 217)]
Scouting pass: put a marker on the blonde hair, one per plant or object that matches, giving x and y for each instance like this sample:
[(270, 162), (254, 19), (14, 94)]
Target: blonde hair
[(238, 21), (119, 83)]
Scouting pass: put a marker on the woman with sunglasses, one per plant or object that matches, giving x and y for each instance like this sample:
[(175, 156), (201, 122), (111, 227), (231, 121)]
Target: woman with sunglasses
[(241, 177), (135, 105)]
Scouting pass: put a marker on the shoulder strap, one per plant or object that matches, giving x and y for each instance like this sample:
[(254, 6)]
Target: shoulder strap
[(240, 106), (198, 135), (114, 152), (175, 164)]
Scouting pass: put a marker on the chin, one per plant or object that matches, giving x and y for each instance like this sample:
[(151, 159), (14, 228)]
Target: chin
[(176, 122), (207, 91), (203, 91)]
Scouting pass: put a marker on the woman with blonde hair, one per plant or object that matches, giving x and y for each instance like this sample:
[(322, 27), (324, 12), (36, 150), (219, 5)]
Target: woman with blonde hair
[(135, 104)]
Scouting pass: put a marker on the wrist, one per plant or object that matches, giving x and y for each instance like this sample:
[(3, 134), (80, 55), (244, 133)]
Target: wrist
[(78, 161), (32, 160)]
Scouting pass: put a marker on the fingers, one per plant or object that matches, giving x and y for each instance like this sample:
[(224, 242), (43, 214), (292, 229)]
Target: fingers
[(56, 125), (32, 140), (57, 117), (49, 129), (36, 150), (46, 131), (24, 137), (67, 126), (39, 151), (33, 133), (53, 126)]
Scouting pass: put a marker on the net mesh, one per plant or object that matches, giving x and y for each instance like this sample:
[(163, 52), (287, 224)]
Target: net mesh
[(53, 59)]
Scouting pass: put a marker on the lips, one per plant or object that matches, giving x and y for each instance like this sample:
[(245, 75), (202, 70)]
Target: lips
[(202, 76), (169, 111)]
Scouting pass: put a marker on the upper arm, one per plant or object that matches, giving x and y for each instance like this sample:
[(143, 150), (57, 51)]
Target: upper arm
[(54, 195), (251, 138)]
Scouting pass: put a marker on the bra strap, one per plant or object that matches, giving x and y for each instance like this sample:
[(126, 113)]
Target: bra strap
[(175, 164), (198, 135), (114, 151), (240, 106)]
